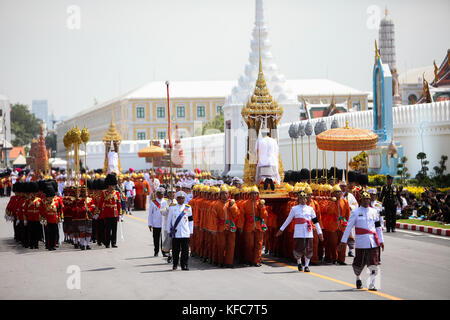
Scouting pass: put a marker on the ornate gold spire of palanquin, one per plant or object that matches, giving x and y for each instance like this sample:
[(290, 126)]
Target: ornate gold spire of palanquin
[(111, 138), (112, 134)]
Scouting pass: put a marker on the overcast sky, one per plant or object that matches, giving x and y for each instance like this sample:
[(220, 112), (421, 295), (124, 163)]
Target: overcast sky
[(72, 52)]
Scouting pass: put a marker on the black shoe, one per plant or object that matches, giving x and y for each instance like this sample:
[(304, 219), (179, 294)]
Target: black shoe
[(156, 254), (165, 255), (107, 246), (174, 267), (169, 259), (342, 263), (221, 265), (307, 269), (299, 267), (272, 185), (75, 246), (358, 284), (82, 247), (185, 268), (114, 246), (257, 264), (266, 184), (350, 254), (88, 248), (99, 243), (52, 249)]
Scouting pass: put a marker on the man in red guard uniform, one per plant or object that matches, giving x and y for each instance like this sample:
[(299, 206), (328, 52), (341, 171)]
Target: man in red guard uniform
[(32, 215), (52, 210), (110, 209)]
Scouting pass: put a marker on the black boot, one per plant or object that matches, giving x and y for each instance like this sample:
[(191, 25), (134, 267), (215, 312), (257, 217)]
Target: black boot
[(299, 267), (272, 185), (358, 284), (266, 183)]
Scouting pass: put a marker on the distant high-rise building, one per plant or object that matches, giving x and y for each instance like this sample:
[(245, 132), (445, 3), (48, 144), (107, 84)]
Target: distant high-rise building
[(40, 109)]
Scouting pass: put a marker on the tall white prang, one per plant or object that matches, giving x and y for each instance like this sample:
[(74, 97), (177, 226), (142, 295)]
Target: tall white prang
[(235, 128)]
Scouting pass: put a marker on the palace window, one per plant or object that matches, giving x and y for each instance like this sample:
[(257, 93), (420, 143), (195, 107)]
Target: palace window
[(219, 110), (160, 112), (181, 112), (161, 135), (201, 112), (140, 135), (140, 112)]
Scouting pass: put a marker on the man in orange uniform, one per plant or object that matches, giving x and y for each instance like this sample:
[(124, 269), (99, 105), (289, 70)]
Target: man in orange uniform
[(202, 220), (212, 225), (226, 212), (240, 195), (142, 191), (196, 220), (109, 205), (255, 215), (287, 237), (338, 213), (315, 205)]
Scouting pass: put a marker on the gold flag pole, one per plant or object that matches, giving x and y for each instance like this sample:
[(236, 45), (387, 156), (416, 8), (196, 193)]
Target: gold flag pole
[(296, 153)]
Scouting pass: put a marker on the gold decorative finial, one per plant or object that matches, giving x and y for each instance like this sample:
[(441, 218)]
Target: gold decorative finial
[(377, 52), (436, 69), (386, 11)]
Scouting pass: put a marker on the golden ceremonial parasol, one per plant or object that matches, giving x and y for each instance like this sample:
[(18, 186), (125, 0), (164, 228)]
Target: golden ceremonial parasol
[(347, 139), (152, 152)]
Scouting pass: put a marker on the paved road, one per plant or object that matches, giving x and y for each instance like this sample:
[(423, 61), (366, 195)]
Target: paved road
[(414, 266)]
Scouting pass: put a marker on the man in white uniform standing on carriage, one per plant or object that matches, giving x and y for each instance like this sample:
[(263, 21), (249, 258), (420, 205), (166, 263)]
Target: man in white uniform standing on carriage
[(267, 166)]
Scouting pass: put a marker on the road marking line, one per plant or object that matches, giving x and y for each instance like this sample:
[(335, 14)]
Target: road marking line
[(439, 237), (136, 218), (378, 293)]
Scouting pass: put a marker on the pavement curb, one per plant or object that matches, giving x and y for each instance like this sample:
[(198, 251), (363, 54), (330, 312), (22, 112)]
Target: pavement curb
[(415, 227)]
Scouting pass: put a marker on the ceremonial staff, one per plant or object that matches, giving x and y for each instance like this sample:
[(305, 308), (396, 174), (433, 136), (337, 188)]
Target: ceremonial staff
[(170, 135)]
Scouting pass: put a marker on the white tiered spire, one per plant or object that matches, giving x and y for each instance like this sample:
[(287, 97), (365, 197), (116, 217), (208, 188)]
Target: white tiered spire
[(276, 81)]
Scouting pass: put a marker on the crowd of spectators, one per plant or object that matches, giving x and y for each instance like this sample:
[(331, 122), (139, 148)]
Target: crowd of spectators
[(432, 205)]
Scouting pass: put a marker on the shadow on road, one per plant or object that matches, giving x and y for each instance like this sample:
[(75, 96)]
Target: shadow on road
[(101, 269)]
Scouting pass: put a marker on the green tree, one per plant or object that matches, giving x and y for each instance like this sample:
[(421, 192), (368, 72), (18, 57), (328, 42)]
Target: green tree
[(24, 125), (403, 170), (214, 126), (439, 170), (50, 141)]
